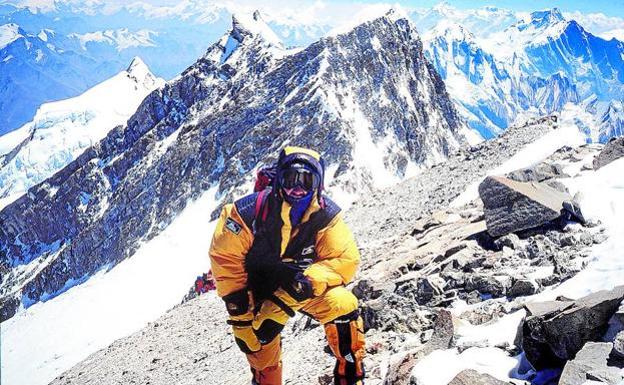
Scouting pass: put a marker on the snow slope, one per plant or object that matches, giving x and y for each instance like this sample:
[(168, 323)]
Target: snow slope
[(41, 342), (62, 130)]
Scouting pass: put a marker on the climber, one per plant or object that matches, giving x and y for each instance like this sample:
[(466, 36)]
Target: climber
[(286, 249)]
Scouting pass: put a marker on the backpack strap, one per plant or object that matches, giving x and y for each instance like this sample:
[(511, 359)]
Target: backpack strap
[(246, 208), (253, 208)]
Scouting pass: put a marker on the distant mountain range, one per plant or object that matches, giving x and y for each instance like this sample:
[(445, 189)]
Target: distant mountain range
[(534, 66), (499, 65)]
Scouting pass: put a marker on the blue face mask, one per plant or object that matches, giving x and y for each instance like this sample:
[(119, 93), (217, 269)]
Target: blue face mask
[(298, 207)]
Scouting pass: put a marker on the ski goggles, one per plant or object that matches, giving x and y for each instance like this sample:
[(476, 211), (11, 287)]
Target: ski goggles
[(298, 175)]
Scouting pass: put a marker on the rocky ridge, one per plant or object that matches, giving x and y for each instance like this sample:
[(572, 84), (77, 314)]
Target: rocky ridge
[(406, 286), (367, 99)]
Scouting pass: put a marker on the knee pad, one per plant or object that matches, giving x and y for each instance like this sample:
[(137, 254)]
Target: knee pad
[(268, 330)]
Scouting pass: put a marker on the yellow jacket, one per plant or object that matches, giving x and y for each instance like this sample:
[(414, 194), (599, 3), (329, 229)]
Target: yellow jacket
[(337, 253)]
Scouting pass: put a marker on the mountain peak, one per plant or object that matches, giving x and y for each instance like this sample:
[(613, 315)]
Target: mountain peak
[(451, 30), (368, 15), (442, 7), (137, 66), (546, 17), (245, 25), (141, 74), (9, 33)]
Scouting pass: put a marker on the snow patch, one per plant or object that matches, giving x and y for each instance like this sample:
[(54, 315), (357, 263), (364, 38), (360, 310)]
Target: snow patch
[(8, 34), (41, 342), (493, 361)]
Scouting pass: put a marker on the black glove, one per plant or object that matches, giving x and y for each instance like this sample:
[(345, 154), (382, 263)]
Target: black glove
[(299, 287)]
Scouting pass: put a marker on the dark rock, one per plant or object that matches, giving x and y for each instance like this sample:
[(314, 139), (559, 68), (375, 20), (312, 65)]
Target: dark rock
[(510, 240), (8, 308), (572, 211), (613, 150), (367, 289), (538, 173), (511, 206), (487, 284), (616, 325), (523, 287), (454, 249), (591, 358), (427, 289), (472, 377), (568, 240), (554, 332)]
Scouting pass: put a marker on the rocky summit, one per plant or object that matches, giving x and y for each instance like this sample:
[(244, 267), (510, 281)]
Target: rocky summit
[(367, 99)]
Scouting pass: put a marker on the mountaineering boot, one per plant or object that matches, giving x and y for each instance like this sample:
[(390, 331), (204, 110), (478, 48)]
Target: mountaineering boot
[(267, 376), (345, 336)]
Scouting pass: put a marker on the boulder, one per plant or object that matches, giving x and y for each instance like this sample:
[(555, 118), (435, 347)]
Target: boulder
[(472, 377), (591, 364), (511, 206), (614, 149), (496, 286), (538, 173), (510, 240), (618, 345), (555, 331), (523, 287)]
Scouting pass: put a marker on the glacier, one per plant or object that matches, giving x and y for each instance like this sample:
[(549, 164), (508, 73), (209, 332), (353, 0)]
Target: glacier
[(62, 130)]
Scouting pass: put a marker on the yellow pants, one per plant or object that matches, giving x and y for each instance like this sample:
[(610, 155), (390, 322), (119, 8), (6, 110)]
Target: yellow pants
[(336, 309)]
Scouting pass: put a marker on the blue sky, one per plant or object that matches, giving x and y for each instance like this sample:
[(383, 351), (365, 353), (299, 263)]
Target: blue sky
[(608, 7)]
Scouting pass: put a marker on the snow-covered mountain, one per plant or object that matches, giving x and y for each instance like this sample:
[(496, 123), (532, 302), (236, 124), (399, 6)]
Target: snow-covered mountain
[(34, 70), (478, 82), (482, 21), (62, 130), (535, 66), (367, 99), (69, 47)]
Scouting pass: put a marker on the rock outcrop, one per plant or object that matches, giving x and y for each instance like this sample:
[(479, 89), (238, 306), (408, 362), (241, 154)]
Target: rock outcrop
[(555, 332), (512, 206), (590, 363), (614, 149)]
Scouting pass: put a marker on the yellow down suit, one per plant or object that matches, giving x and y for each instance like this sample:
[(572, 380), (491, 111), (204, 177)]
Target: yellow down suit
[(332, 259)]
